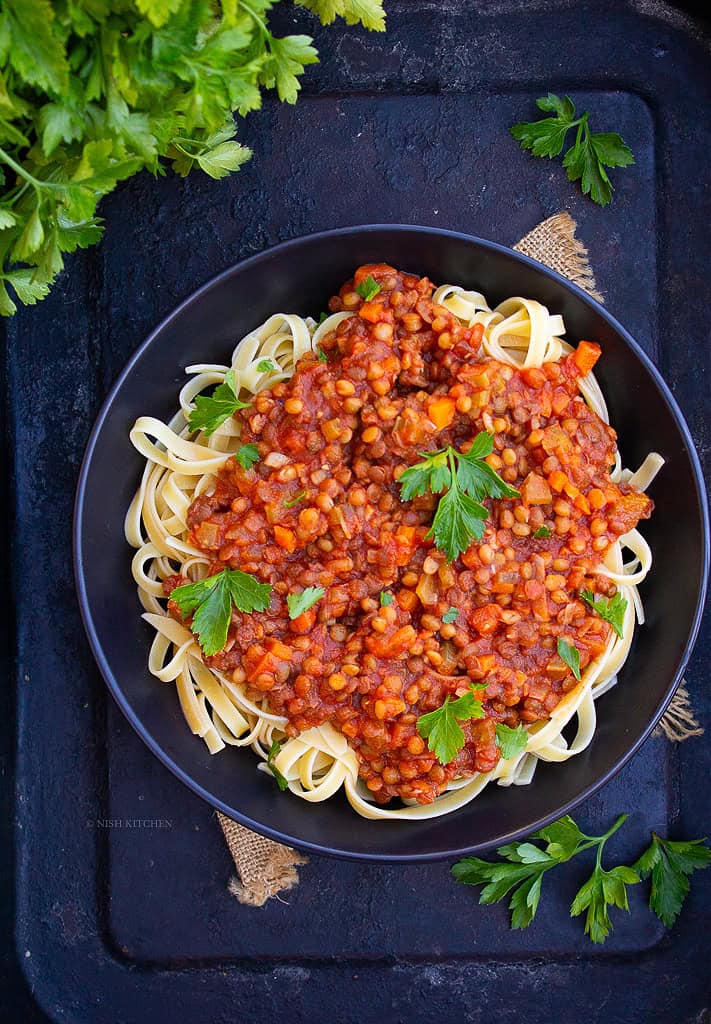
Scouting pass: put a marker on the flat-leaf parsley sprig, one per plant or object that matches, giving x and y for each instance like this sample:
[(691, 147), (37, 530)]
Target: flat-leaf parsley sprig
[(211, 411), (441, 728), (210, 603), (589, 156), (523, 865), (467, 480)]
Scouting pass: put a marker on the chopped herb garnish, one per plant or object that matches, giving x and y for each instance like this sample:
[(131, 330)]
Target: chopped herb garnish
[(299, 496), (542, 533), (450, 616), (612, 609), (445, 737), (211, 412), (266, 366), (321, 355), (510, 741), (281, 782), (300, 603), (247, 455), (386, 599), (322, 317), (467, 479), (368, 289), (210, 603), (590, 153), (570, 655)]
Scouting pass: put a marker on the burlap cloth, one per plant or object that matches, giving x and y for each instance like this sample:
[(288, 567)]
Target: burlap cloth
[(266, 868)]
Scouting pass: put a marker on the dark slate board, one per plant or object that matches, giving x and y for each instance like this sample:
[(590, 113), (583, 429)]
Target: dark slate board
[(122, 922)]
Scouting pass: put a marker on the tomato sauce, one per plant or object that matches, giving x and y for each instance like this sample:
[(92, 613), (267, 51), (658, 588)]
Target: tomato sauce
[(403, 376)]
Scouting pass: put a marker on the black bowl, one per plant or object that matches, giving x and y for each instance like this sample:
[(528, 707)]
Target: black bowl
[(298, 277)]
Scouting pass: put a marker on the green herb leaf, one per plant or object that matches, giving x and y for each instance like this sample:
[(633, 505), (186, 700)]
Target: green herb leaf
[(450, 616), (321, 355), (211, 412), (368, 289), (247, 455), (300, 603), (369, 13), (612, 609), (570, 655), (210, 603), (590, 154), (445, 738), (298, 497), (670, 863), (322, 316), (542, 533), (266, 366), (386, 599), (460, 516), (603, 889), (511, 742), (281, 782)]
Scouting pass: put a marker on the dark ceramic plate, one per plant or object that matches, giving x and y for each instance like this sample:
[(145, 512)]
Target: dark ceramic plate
[(299, 276)]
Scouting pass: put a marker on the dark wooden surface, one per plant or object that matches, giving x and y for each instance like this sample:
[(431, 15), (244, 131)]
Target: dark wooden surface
[(130, 924)]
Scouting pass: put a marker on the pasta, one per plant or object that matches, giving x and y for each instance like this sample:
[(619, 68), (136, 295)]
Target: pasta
[(182, 465)]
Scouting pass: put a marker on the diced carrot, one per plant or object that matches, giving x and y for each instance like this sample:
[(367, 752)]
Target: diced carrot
[(303, 623), (372, 311), (441, 412), (557, 480), (486, 618), (285, 538), (264, 665), (279, 650), (535, 490), (581, 502), (585, 356), (570, 489)]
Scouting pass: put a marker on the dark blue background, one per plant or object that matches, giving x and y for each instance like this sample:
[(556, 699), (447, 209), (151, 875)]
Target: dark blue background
[(131, 925)]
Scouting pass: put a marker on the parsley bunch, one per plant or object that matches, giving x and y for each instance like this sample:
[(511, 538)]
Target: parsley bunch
[(467, 480), (524, 865), (93, 91), (589, 156)]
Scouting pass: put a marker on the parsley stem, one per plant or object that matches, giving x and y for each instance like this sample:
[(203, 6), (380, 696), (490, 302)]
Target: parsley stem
[(255, 17), (29, 178)]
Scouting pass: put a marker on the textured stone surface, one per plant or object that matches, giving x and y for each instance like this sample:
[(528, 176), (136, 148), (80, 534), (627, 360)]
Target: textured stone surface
[(122, 926)]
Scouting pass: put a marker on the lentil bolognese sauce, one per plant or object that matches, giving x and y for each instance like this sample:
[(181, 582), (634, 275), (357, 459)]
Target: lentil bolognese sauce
[(391, 545)]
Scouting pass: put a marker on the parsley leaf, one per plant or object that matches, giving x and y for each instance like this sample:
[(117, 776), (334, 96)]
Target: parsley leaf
[(590, 154), (510, 741), (94, 91), (467, 479), (322, 316), (369, 13), (247, 455), (542, 533), (281, 781), (299, 496), (300, 603), (670, 862), (524, 864), (386, 599), (612, 610), (602, 890), (570, 655), (210, 603), (211, 412), (450, 616), (266, 366), (321, 355), (441, 729), (368, 289)]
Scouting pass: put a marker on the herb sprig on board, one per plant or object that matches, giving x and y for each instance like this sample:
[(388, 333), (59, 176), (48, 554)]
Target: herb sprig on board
[(591, 154), (523, 865), (94, 91)]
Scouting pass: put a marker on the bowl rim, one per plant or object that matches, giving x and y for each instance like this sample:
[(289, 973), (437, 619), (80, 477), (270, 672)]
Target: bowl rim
[(112, 683)]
